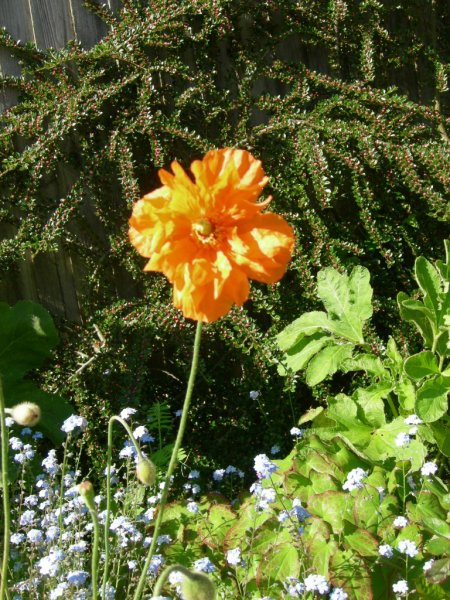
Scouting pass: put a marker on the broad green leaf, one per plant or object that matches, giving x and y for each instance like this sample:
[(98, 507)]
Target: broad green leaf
[(27, 337), (213, 528), (361, 541), (439, 571), (320, 553), (347, 300), (437, 545), (352, 574), (370, 400), (429, 281), (406, 393), (432, 399), (281, 562), (366, 362), (307, 324), (441, 434), (332, 507), (269, 536), (442, 343), (310, 415), (326, 363), (421, 365), (415, 312), (383, 445), (299, 355)]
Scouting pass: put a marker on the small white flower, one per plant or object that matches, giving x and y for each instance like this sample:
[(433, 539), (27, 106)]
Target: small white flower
[(429, 468), (407, 547), (413, 420), (427, 566), (77, 578), (400, 522), (234, 557), (74, 422), (193, 507), (316, 583), (296, 432), (275, 449), (254, 394), (400, 588), (402, 440), (386, 551), (354, 479), (126, 413), (205, 565), (338, 594), (194, 474), (218, 474)]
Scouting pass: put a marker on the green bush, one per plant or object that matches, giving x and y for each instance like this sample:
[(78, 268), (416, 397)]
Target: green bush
[(318, 91)]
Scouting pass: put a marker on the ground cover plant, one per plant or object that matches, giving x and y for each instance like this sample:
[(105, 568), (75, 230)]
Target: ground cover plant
[(357, 509)]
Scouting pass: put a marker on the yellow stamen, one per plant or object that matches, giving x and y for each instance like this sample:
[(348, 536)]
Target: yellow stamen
[(203, 227)]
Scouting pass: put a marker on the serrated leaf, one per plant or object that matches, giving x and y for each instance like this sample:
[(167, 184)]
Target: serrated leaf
[(326, 363), (299, 355), (347, 300), (421, 365), (432, 399), (366, 362), (406, 393), (429, 282), (306, 325)]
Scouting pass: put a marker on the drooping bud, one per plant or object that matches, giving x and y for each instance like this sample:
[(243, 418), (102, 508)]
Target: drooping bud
[(25, 413), (86, 491), (197, 586), (146, 471)]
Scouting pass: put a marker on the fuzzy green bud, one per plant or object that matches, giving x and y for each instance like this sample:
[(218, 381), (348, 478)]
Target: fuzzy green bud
[(86, 491), (146, 471), (26, 414), (197, 586)]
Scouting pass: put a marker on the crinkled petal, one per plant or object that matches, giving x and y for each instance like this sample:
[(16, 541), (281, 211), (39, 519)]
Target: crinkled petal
[(262, 247)]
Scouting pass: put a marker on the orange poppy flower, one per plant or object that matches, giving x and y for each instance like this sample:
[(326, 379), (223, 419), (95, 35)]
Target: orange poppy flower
[(209, 236)]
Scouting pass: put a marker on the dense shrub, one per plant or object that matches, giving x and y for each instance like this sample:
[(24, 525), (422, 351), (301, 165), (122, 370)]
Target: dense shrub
[(319, 91)]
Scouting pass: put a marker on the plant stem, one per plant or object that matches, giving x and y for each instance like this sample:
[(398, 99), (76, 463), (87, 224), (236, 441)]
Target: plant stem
[(173, 461), (61, 491), (108, 488), (5, 485), (94, 563)]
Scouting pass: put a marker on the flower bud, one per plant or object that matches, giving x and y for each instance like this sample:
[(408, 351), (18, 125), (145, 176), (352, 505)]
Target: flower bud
[(146, 471), (86, 491), (25, 413), (197, 586)]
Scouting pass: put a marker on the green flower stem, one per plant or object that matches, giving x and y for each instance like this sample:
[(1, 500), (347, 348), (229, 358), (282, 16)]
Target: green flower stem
[(61, 491), (173, 461), (95, 554), (165, 575), (5, 485), (108, 488)]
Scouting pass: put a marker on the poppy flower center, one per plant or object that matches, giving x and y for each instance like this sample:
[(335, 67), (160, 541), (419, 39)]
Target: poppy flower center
[(203, 228)]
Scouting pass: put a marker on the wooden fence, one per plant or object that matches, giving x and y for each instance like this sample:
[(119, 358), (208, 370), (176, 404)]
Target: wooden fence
[(50, 279)]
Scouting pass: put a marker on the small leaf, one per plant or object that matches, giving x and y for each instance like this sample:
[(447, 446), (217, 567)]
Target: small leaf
[(421, 365), (299, 355), (432, 399), (307, 324), (347, 300), (442, 436), (326, 363), (310, 415), (370, 399), (429, 281), (366, 362), (406, 393), (415, 312)]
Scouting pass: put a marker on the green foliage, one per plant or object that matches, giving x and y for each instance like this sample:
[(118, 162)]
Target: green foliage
[(27, 337), (345, 104), (320, 519)]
